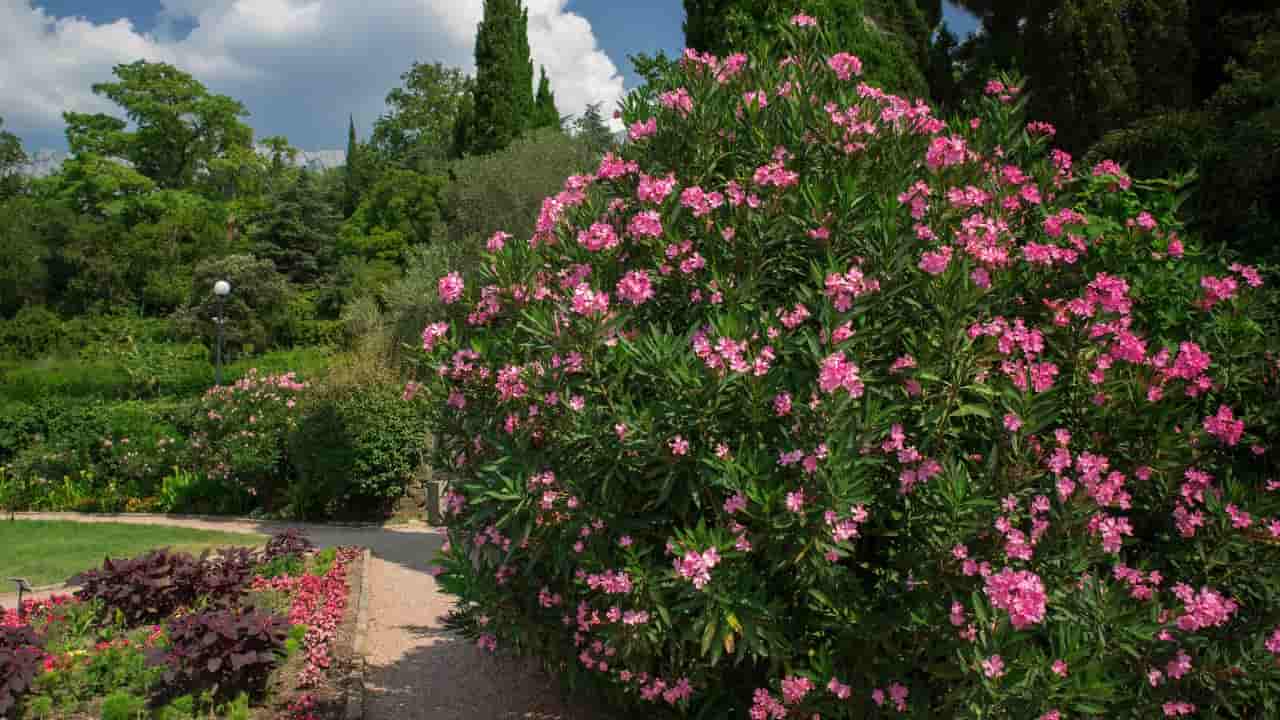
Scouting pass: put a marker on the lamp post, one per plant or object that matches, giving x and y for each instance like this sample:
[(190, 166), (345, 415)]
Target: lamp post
[(221, 290)]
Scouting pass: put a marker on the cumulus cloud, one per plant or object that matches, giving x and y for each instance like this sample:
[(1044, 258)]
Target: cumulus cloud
[(300, 66)]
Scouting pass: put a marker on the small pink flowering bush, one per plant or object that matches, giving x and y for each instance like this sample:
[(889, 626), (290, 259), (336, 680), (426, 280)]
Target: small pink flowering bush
[(827, 407), (240, 433)]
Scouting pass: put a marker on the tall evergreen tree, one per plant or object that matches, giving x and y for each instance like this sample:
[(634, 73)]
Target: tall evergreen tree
[(545, 114), (351, 173), (523, 62), (503, 97)]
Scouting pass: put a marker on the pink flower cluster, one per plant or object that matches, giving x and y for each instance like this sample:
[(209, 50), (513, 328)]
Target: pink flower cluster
[(1020, 593), (1224, 426), (450, 287), (844, 65), (319, 603), (843, 289), (696, 567), (1206, 608)]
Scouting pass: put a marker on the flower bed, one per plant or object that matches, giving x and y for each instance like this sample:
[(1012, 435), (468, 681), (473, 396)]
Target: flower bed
[(276, 622)]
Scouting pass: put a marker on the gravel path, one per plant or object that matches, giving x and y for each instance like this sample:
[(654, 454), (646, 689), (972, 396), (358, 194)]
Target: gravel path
[(416, 670)]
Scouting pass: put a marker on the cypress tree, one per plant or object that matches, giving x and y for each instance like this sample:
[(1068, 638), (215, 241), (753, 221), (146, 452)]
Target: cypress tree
[(503, 98), (545, 114), (351, 173), (523, 61)]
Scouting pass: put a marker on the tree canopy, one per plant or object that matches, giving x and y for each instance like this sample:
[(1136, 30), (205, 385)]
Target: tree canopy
[(180, 127)]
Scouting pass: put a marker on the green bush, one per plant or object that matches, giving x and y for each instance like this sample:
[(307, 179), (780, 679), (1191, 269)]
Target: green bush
[(33, 332), (504, 190), (355, 450), (121, 705)]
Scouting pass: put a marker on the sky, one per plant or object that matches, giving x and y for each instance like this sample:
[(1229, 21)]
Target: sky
[(301, 66)]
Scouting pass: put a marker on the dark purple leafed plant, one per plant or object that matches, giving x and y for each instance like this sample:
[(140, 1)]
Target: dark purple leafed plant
[(20, 658), (227, 651)]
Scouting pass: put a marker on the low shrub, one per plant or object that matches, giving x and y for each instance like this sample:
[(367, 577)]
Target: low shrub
[(813, 404), (290, 543), (20, 661), (240, 433), (354, 450), (150, 587), (143, 589), (229, 651), (121, 705)]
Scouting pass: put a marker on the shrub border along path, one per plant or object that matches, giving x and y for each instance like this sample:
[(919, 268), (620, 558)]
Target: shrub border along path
[(414, 669)]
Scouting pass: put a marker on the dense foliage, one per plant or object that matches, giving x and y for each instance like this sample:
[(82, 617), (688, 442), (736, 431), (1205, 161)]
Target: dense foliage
[(1160, 85), (151, 586), (812, 403), (231, 649), (892, 37)]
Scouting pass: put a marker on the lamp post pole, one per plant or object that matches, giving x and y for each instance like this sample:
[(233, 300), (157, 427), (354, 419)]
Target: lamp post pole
[(221, 289)]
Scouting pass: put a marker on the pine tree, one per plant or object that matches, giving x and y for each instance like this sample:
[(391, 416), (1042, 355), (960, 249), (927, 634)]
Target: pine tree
[(351, 174), (503, 98), (545, 114)]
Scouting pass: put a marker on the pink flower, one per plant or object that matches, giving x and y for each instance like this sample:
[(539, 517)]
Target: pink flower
[(795, 501), (735, 504), (935, 263), (1207, 608), (802, 20), (842, 691), (1174, 709), (598, 237), (450, 288), (1020, 593), (838, 373), (1273, 643), (993, 667), (1012, 422), (795, 688), (646, 224), (1112, 169), (679, 446), (946, 151), (636, 287), (678, 100), (845, 65), (1224, 426), (782, 404), (1059, 668), (588, 302), (641, 130), (432, 333), (497, 241), (697, 567)]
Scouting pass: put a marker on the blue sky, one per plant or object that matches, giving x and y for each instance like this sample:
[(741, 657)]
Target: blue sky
[(300, 66)]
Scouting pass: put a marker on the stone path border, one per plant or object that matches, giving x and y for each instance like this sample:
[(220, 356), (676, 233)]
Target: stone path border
[(356, 685)]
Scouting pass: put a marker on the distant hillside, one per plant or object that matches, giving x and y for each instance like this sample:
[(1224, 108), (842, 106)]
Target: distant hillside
[(47, 162)]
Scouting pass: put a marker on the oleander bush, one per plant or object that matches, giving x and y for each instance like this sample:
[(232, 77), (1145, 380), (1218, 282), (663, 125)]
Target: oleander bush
[(813, 404)]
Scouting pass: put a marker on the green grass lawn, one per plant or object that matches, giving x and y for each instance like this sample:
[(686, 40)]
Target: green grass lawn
[(48, 552)]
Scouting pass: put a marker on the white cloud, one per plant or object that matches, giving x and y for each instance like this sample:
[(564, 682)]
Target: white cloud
[(300, 66)]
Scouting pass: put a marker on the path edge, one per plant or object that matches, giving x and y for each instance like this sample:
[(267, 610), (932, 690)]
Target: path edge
[(357, 689)]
